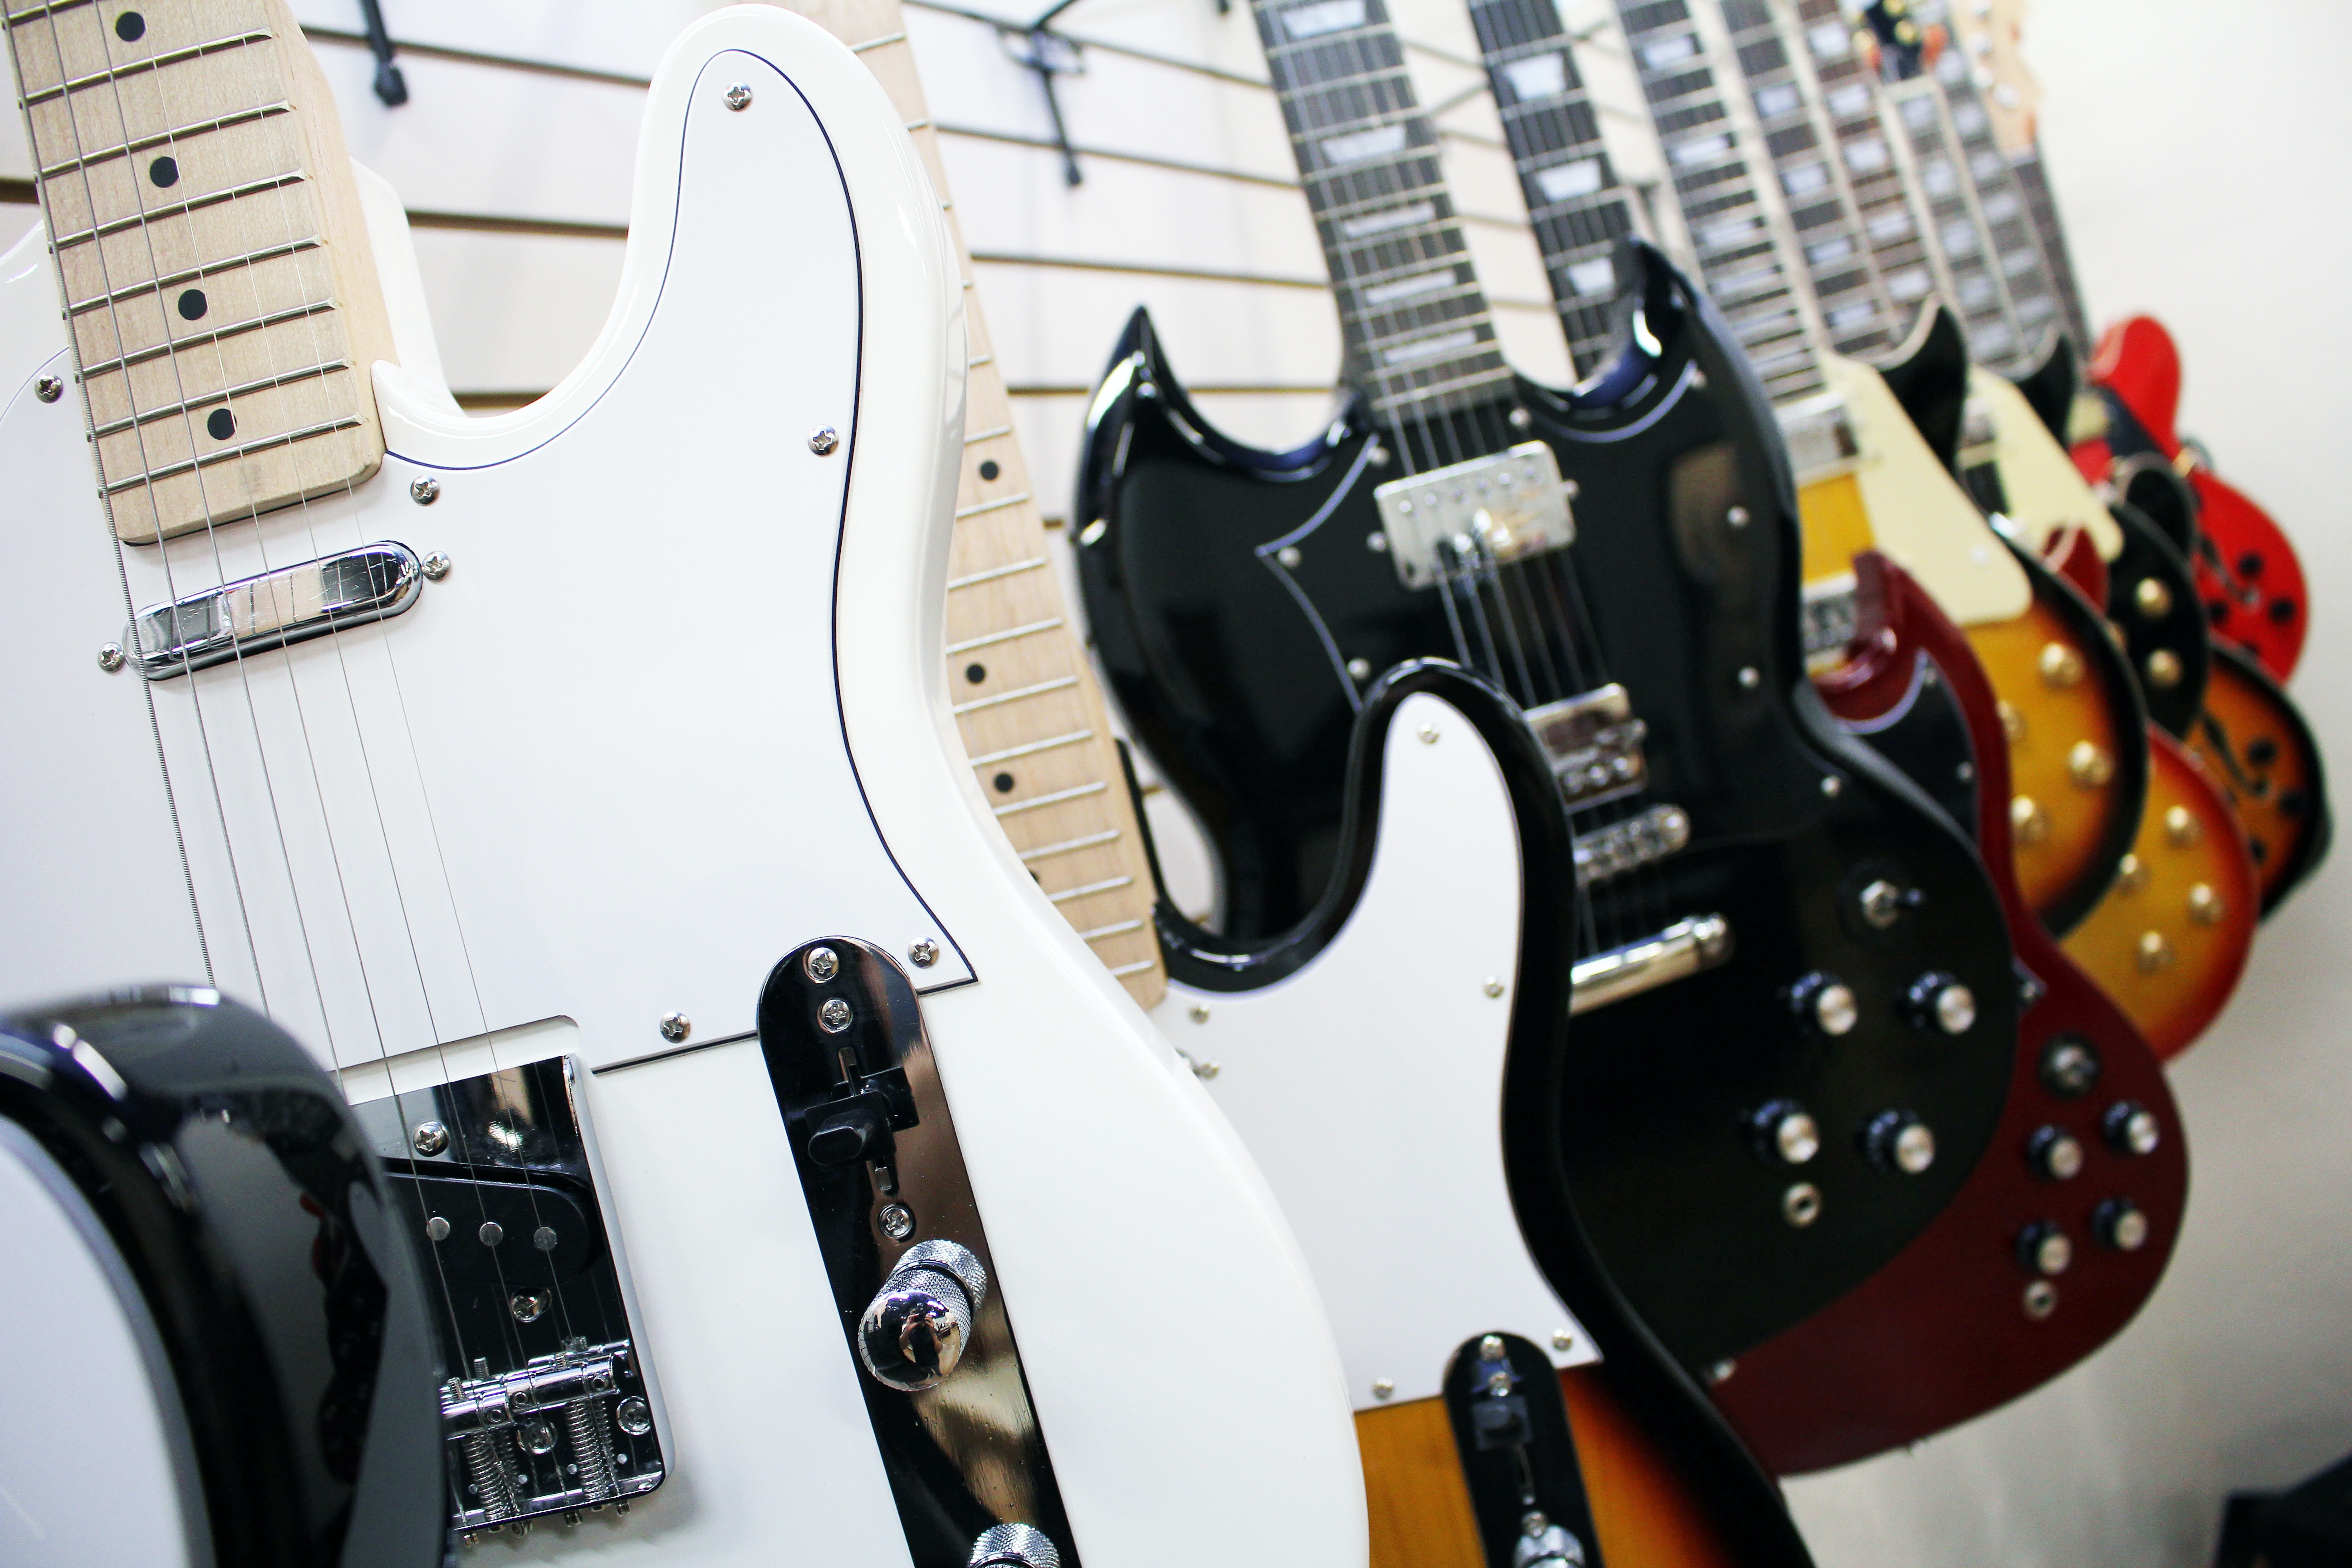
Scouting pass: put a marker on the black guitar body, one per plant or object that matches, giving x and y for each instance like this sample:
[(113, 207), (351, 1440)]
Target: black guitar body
[(1233, 591)]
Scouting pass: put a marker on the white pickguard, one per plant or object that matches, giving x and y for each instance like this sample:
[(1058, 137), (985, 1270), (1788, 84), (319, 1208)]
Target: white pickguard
[(677, 709), (1368, 1085), (2044, 490), (1918, 513)]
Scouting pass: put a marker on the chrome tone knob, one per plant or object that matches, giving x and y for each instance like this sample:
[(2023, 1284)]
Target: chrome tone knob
[(2055, 1153), (915, 1330), (1826, 1002), (1783, 1132), (2070, 1066), (1898, 1142), (1013, 1546), (1939, 1002), (2043, 1247), (2132, 1127), (2121, 1225)]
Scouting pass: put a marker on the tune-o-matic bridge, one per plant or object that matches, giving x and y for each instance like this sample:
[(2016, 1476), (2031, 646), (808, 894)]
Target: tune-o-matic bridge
[(1483, 512), (1595, 745), (1641, 839)]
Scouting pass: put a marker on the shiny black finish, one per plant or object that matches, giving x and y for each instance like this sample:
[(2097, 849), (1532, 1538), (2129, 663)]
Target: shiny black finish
[(235, 1184), (1518, 1454), (2050, 386), (1231, 668), (1926, 736), (1931, 383)]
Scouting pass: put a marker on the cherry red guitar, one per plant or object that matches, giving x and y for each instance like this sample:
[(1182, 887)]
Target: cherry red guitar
[(2066, 1223), (2247, 571)]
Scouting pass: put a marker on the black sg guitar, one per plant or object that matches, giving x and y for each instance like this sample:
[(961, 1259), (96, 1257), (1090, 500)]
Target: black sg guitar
[(1795, 993)]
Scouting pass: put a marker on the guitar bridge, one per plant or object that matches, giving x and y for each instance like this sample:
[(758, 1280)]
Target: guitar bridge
[(549, 1412), (1643, 839), (1595, 746), (1467, 516)]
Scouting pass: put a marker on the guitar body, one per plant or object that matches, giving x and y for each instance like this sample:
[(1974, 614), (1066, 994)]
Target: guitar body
[(2253, 742), (1231, 591), (1966, 1318), (2251, 579), (676, 712)]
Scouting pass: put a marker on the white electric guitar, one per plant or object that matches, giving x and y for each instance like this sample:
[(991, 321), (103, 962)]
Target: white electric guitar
[(581, 785)]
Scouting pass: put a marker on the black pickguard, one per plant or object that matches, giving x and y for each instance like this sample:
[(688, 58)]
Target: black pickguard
[(1232, 666)]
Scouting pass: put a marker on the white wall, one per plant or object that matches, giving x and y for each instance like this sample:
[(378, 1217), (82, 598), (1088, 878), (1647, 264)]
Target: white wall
[(2198, 153)]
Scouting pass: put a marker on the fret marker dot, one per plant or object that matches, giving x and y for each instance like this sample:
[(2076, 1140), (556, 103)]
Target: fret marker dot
[(989, 470), (975, 673), (130, 26), (164, 172), (193, 305), (221, 424), (1003, 782)]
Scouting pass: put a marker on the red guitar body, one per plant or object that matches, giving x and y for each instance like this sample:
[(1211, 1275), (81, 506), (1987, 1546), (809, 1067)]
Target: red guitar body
[(1972, 1314), (2248, 573)]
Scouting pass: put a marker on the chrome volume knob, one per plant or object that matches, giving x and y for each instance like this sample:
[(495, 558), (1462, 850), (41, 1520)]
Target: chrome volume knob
[(915, 1330), (1013, 1546)]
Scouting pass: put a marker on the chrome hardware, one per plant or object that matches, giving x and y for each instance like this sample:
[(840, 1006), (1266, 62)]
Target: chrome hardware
[(430, 1138), (1640, 840), (1289, 557), (1198, 1012), (2164, 669), (822, 442), (1938, 1001), (1429, 735), (1561, 1340), (2152, 599), (1543, 1544), (2070, 1066), (501, 1424), (425, 490), (2089, 765), (1881, 904), (2043, 1247), (1494, 987), (1737, 517), (2055, 1153), (290, 605), (1825, 1003), (2061, 666), (1491, 1348), (1829, 618), (1750, 677), (1783, 1132), (633, 1415), (1595, 746), (833, 1016), (1682, 949), (924, 954), (1520, 418), (1821, 438), (48, 388), (2041, 1299), (1832, 785), (737, 98), (491, 1233), (436, 1229), (821, 964), (1485, 512), (529, 1306), (1383, 1388), (897, 1220), (913, 1332), (1013, 1546), (1721, 1371), (2132, 1127), (111, 657), (1801, 1206), (676, 1026), (1898, 1142), (1360, 669), (436, 565), (2121, 1225), (2205, 906)]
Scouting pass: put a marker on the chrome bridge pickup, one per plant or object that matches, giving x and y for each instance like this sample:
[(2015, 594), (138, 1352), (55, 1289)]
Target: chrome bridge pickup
[(1483, 512), (1821, 437), (1641, 839), (254, 614), (549, 1412), (1682, 949), (1595, 746)]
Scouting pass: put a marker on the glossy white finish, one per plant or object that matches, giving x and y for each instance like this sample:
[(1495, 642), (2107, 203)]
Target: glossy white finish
[(78, 1397), (2044, 490), (1918, 513), (1369, 1084), (678, 710)]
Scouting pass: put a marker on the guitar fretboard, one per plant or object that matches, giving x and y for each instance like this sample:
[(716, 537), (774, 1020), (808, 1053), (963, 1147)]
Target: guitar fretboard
[(1575, 202), (2042, 209), (1873, 169), (1716, 180), (1026, 704), (1956, 225), (1415, 325), (222, 296), (2013, 249)]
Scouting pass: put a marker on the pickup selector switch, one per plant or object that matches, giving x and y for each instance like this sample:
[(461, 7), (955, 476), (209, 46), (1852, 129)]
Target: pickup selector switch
[(914, 1330), (1826, 1004), (1938, 1003), (1899, 1142)]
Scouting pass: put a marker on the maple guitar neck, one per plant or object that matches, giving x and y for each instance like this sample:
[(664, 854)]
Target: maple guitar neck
[(1026, 704)]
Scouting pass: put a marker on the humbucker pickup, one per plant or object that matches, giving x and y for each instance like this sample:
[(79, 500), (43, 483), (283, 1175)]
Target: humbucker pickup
[(1467, 516), (1831, 617), (1595, 745)]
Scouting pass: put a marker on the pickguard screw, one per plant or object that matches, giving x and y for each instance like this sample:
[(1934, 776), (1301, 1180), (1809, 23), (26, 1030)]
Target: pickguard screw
[(426, 490), (822, 964), (1289, 557), (544, 1238), (1383, 1388), (49, 388), (527, 1306), (1198, 1012), (1494, 987), (1721, 1371), (436, 564), (898, 1221), (676, 1026), (1520, 418), (738, 97), (1429, 735), (924, 954), (1750, 677), (833, 1016), (1360, 669), (1561, 1340), (430, 1138), (1737, 517), (1832, 785), (111, 657), (824, 442), (1492, 1348)]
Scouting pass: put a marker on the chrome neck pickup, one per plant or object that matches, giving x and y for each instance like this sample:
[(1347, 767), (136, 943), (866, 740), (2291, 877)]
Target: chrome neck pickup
[(1595, 746), (1470, 516), (1641, 839), (1821, 437), (257, 614)]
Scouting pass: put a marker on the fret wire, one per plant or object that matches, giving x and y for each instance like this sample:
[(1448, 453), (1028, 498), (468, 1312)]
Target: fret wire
[(190, 274), (206, 400), (226, 454), (235, 329), (160, 138), (137, 68), (193, 203)]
